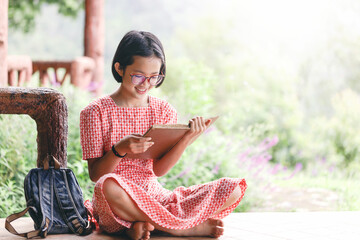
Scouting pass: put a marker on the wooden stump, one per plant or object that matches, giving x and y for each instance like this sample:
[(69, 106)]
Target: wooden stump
[(49, 110)]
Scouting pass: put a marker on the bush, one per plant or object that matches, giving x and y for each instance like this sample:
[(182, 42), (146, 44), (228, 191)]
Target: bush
[(336, 138), (18, 154), (215, 155), (253, 102), (189, 87)]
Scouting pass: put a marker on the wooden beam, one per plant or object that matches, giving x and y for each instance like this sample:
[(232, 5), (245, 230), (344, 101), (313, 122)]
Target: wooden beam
[(94, 39), (49, 110), (4, 5)]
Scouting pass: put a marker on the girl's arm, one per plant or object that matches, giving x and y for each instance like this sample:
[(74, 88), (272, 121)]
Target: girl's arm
[(163, 165), (133, 143)]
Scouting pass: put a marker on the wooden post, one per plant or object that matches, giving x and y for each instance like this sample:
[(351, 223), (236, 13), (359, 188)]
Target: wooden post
[(4, 5), (19, 69), (94, 39), (82, 70), (48, 108)]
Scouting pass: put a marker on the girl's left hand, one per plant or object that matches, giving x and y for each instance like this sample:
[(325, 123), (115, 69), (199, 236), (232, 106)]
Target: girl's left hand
[(197, 126)]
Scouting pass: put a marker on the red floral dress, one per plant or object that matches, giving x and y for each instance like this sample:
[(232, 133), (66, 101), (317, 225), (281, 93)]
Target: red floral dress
[(102, 124)]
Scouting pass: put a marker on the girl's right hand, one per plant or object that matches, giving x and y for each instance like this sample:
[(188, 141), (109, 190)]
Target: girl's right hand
[(133, 143)]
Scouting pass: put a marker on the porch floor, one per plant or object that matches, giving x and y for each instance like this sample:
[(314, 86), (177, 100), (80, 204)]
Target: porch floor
[(249, 226)]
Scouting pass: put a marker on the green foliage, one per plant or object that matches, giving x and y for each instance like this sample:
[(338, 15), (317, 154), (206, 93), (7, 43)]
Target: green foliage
[(246, 91), (337, 138), (194, 88), (77, 100), (321, 174), (22, 14), (345, 127), (18, 154), (11, 193)]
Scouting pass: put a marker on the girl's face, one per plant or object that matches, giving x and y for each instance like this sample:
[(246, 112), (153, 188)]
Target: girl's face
[(146, 66)]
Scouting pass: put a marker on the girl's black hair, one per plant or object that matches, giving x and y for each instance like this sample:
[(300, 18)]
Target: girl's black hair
[(138, 43)]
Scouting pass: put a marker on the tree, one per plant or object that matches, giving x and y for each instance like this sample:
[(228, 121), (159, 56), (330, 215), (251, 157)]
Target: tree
[(22, 13)]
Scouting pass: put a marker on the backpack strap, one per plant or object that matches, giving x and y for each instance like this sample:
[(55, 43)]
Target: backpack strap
[(50, 160), (46, 202), (65, 184), (30, 234)]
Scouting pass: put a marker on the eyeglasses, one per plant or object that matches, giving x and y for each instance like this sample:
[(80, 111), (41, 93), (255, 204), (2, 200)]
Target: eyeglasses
[(138, 79)]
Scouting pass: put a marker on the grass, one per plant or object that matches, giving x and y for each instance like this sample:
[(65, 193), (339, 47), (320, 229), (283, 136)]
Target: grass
[(340, 182)]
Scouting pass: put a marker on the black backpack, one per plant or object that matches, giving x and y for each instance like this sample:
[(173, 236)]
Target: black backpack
[(54, 201)]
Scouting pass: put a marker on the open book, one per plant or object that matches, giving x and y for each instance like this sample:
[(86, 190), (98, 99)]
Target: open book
[(165, 137)]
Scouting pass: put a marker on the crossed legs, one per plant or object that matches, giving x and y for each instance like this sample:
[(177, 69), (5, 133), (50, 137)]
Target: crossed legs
[(123, 205)]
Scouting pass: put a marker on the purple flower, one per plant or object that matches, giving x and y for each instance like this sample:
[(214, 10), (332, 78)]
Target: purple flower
[(268, 143), (297, 169), (243, 156), (216, 168), (183, 173), (314, 172), (267, 157), (94, 85), (53, 81), (275, 169)]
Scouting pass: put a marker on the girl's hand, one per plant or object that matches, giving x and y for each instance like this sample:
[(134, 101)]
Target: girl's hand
[(133, 143), (197, 126)]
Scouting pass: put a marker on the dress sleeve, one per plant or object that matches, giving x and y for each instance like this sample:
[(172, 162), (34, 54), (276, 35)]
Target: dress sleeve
[(90, 132), (169, 114)]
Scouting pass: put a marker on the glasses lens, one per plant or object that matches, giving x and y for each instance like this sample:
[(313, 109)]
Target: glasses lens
[(137, 79), (154, 80)]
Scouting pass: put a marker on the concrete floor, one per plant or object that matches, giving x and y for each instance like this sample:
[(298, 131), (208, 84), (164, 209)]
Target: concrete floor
[(251, 226)]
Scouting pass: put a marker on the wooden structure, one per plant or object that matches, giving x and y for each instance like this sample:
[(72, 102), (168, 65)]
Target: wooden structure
[(249, 226), (80, 71), (94, 40), (48, 108), (4, 4), (85, 72), (19, 70)]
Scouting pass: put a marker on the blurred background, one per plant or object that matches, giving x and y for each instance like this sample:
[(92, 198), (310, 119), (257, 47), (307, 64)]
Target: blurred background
[(282, 75)]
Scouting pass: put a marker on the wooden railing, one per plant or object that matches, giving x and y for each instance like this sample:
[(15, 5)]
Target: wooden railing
[(80, 71), (45, 78), (19, 70)]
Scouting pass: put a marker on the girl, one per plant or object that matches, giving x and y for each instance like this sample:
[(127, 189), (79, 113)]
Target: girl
[(127, 196)]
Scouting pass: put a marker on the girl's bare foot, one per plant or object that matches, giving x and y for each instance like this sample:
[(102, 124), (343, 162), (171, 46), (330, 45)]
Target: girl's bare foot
[(211, 227), (140, 231)]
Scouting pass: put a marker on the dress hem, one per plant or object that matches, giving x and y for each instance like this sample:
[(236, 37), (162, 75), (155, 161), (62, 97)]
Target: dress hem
[(176, 223)]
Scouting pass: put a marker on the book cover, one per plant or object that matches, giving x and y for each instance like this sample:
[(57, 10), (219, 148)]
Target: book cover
[(165, 137)]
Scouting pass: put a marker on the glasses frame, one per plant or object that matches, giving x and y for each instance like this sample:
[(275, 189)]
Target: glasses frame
[(146, 78)]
